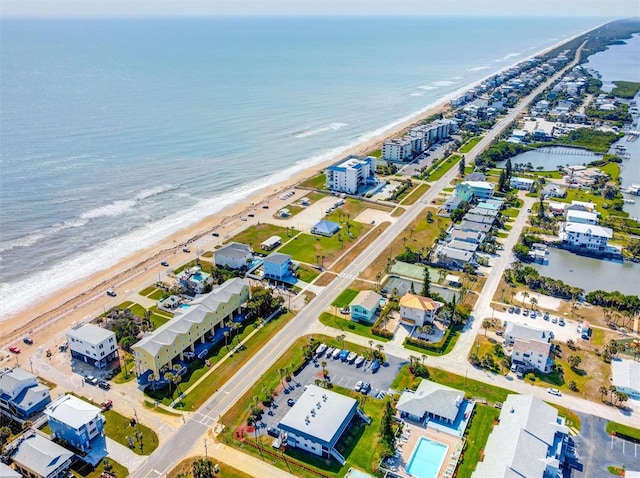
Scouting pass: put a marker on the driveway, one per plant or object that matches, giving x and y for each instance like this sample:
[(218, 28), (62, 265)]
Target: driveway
[(597, 450)]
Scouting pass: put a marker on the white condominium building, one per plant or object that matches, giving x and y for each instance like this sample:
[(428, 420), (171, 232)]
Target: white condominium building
[(351, 173)]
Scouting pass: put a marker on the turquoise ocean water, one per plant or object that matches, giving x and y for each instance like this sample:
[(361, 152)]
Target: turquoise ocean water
[(115, 133)]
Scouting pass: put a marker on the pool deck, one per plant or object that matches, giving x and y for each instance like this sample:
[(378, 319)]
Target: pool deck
[(407, 443)]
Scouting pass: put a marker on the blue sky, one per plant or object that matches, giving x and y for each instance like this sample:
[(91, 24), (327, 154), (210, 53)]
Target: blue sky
[(58, 8)]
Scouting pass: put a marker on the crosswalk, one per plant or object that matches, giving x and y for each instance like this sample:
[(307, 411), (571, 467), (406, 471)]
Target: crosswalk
[(348, 276), (203, 419)]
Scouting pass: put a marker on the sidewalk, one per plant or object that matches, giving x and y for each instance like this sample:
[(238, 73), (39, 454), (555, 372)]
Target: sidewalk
[(124, 455)]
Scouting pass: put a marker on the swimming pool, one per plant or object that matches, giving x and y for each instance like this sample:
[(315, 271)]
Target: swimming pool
[(184, 306), (427, 458)]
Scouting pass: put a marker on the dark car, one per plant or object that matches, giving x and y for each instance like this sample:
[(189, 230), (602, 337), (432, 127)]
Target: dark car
[(164, 263), (28, 340), (104, 385), (291, 402), (111, 293), (366, 387), (274, 432), (215, 234), (186, 249), (91, 380)]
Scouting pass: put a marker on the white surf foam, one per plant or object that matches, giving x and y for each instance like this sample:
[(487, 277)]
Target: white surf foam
[(323, 129)]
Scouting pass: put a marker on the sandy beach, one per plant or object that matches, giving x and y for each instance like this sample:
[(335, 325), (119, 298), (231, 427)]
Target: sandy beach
[(84, 299)]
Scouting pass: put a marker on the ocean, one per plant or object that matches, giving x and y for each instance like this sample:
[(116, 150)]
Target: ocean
[(115, 133)]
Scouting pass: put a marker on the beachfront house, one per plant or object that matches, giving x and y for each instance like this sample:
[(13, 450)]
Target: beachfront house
[(36, 457), (317, 420), (530, 440), (417, 311), (351, 173), (80, 424), (21, 394), (431, 402), (588, 237), (625, 375), (206, 316), (278, 267), (234, 256), (524, 184), (92, 344), (364, 306), (193, 279)]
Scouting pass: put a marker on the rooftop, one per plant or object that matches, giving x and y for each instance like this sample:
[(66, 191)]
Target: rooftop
[(319, 414), (414, 301), (625, 373), (431, 397), (40, 455), (367, 299), (234, 250), (90, 333), (71, 411), (277, 258), (590, 229), (526, 333)]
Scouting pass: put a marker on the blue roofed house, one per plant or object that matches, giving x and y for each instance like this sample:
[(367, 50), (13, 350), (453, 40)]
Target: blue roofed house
[(21, 395), (364, 306), (80, 424), (278, 266), (317, 420), (36, 457), (530, 440), (325, 228)]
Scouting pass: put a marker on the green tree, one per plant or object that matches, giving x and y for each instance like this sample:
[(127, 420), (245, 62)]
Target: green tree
[(461, 166), (541, 213), (5, 433), (426, 283), (202, 468), (574, 361)]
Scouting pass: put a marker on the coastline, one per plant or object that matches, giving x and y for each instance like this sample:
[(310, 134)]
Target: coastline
[(81, 299)]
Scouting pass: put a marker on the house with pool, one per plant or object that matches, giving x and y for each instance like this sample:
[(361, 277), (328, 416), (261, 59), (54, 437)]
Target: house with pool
[(434, 404), (530, 440), (194, 280), (189, 329), (317, 420)]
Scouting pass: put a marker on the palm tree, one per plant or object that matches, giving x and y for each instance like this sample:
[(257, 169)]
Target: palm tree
[(603, 390), (486, 323), (525, 294), (341, 338), (226, 339), (533, 301), (168, 376)]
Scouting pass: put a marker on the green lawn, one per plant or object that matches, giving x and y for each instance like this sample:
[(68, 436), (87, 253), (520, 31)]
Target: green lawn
[(469, 145), (472, 388), (257, 234), (156, 294), (118, 428), (478, 433), (416, 193), (145, 292), (620, 429), (316, 182), (80, 471), (612, 169), (307, 247), (349, 326), (307, 274), (345, 298), (444, 167)]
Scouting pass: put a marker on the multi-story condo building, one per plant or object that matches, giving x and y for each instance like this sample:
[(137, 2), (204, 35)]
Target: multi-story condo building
[(351, 173)]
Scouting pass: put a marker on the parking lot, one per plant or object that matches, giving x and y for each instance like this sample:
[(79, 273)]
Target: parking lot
[(560, 332), (343, 374), (597, 450)]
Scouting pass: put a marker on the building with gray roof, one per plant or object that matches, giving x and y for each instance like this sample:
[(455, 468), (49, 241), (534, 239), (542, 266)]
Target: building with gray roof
[(8, 472), (431, 401), (317, 420), (529, 441), (452, 258), (93, 345), (513, 331), (463, 245), (36, 457), (21, 395), (467, 236), (364, 306), (482, 219), (234, 255), (474, 226)]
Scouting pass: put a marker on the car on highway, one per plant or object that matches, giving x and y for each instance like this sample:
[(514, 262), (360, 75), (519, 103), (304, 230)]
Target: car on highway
[(186, 249), (164, 263), (215, 234), (15, 349), (554, 391), (28, 340)]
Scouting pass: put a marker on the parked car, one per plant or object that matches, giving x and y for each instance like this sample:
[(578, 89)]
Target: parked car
[(365, 388), (358, 386), (546, 316), (291, 402), (106, 405), (525, 312), (91, 380), (554, 320), (554, 391), (104, 385), (111, 293), (499, 333), (28, 340), (561, 322), (15, 349), (511, 309), (274, 432)]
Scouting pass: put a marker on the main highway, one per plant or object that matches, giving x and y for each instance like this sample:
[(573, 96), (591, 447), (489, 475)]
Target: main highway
[(196, 425)]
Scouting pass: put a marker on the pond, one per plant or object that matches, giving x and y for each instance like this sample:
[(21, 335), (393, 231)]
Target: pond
[(617, 62), (591, 274), (552, 157)]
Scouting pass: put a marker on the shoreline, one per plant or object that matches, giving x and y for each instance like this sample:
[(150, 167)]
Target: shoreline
[(79, 300)]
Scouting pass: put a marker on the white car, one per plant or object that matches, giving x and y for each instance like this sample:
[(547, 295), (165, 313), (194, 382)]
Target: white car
[(554, 391)]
